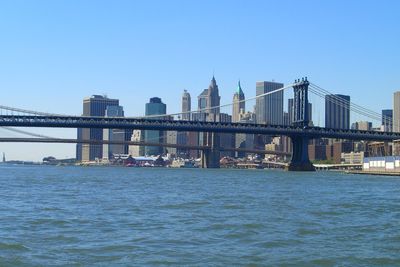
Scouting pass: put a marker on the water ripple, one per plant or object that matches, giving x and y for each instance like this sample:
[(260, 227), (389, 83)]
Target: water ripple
[(138, 217)]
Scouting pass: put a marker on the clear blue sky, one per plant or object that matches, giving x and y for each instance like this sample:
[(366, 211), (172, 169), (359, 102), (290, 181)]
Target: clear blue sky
[(54, 53)]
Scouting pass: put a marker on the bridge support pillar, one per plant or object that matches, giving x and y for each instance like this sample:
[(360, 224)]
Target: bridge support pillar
[(300, 160), (210, 157)]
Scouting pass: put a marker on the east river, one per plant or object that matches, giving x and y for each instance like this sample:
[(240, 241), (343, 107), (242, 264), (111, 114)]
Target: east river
[(104, 216)]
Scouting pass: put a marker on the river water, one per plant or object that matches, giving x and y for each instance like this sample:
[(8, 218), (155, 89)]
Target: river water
[(76, 216)]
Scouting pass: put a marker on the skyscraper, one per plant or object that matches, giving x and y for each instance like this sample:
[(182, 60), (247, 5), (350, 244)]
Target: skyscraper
[(213, 100), (95, 105), (396, 111), (182, 137), (154, 107), (238, 104), (290, 111), (337, 111), (245, 140), (137, 151), (186, 106), (269, 108), (387, 120), (113, 134)]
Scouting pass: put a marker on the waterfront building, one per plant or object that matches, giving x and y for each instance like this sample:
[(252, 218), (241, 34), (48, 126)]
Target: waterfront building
[(154, 107), (337, 111), (239, 106), (95, 105), (387, 120), (113, 134), (269, 108), (352, 157)]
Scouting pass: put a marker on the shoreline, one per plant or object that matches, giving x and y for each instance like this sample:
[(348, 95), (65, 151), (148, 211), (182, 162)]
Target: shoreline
[(374, 173)]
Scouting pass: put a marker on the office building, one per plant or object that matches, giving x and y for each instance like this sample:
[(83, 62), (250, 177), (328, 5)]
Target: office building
[(227, 140), (245, 141), (186, 106), (239, 105), (154, 107), (171, 138), (95, 105), (396, 112), (113, 134), (213, 100), (337, 111), (387, 120), (134, 150), (269, 108), (361, 125), (182, 137)]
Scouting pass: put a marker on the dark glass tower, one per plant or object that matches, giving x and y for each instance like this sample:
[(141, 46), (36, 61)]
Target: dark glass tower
[(95, 105), (154, 107), (337, 111), (387, 120)]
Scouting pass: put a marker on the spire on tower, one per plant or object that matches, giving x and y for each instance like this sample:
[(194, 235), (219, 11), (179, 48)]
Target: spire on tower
[(239, 90)]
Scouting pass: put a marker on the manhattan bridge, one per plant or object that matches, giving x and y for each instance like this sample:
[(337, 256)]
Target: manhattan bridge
[(299, 131)]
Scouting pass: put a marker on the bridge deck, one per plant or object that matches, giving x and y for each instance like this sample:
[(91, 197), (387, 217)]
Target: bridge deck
[(197, 126)]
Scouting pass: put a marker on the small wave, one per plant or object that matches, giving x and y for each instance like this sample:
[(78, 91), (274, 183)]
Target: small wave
[(185, 205), (304, 231), (13, 246)]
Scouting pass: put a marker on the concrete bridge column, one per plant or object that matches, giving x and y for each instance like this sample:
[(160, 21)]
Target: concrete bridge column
[(210, 157), (300, 160)]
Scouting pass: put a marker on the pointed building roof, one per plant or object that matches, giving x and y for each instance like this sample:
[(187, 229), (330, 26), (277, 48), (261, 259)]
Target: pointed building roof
[(213, 83), (239, 89)]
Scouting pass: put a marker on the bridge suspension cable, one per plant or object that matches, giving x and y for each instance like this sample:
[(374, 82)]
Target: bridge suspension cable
[(39, 113), (217, 107), (27, 133), (26, 111), (351, 106), (354, 105)]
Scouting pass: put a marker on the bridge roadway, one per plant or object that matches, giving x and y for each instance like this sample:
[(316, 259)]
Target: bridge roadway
[(196, 126), (115, 142)]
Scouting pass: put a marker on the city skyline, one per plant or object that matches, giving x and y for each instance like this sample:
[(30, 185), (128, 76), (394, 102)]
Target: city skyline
[(134, 51)]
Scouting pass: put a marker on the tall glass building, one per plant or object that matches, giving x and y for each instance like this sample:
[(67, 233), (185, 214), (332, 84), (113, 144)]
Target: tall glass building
[(154, 107), (269, 108), (337, 111), (113, 134), (387, 120), (95, 105)]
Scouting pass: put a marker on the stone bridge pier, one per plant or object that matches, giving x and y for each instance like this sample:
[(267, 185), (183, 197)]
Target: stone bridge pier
[(300, 160), (210, 157)]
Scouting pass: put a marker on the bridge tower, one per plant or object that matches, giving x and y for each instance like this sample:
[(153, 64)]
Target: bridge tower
[(300, 160)]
